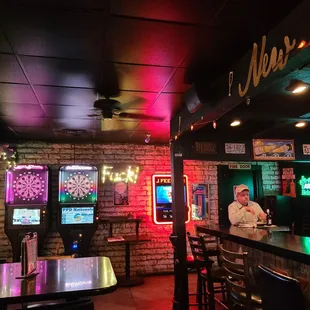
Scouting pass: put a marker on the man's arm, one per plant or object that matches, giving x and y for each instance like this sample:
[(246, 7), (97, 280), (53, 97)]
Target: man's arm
[(235, 214), (260, 213)]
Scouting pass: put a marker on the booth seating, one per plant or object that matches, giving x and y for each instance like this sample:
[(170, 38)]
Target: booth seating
[(239, 281), (280, 291), (207, 275)]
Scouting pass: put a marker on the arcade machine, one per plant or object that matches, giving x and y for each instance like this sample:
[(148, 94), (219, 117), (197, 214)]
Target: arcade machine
[(26, 201), (162, 199), (78, 211)]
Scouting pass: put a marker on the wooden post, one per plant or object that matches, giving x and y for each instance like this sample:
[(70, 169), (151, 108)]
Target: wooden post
[(178, 237)]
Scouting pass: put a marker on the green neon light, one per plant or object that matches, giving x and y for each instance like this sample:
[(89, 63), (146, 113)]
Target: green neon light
[(305, 186)]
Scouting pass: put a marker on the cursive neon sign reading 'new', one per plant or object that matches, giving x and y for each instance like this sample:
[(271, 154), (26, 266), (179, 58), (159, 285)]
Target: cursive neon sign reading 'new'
[(261, 67), (128, 175)]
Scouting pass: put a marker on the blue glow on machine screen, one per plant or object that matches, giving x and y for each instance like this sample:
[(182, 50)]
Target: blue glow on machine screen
[(164, 194), (72, 216)]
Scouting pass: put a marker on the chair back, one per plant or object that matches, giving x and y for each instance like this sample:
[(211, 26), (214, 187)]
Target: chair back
[(199, 250), (279, 291), (238, 281)]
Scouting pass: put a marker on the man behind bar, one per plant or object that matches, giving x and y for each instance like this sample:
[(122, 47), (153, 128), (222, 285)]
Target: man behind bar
[(244, 211)]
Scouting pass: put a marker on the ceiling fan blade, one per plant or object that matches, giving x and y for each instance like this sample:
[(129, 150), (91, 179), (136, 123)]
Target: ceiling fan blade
[(140, 116), (93, 115), (131, 104)]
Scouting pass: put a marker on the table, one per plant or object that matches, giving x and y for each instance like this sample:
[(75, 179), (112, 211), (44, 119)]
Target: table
[(120, 219), (57, 279), (127, 280)]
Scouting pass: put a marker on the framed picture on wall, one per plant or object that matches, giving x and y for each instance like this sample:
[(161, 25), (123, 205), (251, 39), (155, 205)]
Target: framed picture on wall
[(120, 193), (200, 201)]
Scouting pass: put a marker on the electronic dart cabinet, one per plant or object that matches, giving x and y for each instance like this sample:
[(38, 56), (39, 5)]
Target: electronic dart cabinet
[(78, 211), (26, 204)]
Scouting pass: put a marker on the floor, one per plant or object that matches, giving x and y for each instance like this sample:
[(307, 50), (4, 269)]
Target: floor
[(155, 294)]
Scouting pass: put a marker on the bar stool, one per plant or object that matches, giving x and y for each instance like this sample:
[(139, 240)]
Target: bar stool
[(207, 276), (240, 291), (280, 291)]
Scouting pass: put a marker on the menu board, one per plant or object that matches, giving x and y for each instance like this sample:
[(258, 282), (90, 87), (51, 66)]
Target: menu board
[(77, 215), (29, 254), (26, 216)]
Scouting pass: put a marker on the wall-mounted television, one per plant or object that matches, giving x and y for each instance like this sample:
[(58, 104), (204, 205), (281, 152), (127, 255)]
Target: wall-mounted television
[(77, 215)]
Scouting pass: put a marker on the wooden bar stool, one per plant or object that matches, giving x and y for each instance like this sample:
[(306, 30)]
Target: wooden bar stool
[(280, 291), (207, 275), (240, 290)]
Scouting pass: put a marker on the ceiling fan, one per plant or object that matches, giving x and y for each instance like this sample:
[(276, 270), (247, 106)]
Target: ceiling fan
[(108, 108)]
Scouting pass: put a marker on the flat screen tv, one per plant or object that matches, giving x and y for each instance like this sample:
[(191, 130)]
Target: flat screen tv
[(26, 217), (77, 215)]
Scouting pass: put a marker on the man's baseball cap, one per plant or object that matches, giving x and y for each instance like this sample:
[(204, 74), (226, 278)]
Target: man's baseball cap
[(240, 188)]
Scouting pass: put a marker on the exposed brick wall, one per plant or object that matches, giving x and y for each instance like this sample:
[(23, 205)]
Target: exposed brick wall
[(155, 256)]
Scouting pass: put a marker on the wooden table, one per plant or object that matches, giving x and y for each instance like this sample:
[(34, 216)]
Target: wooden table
[(127, 280), (57, 279)]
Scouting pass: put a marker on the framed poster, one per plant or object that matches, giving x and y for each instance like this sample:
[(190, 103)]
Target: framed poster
[(120, 193), (200, 201), (269, 149)]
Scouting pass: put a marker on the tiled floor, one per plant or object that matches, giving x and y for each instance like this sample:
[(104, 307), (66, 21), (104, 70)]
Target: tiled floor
[(155, 294)]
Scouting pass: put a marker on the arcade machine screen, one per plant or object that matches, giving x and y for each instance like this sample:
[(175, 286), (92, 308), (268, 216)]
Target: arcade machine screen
[(78, 194), (162, 199), (26, 199)]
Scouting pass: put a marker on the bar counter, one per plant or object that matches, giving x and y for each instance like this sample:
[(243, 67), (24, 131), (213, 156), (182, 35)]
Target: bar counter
[(276, 241)]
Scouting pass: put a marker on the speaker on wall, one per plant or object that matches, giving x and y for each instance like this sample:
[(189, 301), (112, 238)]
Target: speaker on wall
[(191, 99)]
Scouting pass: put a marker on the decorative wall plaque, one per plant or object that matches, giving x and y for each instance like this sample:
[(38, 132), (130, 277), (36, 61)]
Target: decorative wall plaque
[(268, 149), (205, 148), (234, 148)]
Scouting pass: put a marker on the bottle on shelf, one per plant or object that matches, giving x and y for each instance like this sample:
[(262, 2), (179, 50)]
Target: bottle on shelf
[(268, 218)]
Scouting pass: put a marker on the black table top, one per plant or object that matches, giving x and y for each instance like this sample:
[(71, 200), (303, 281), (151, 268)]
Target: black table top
[(274, 241), (58, 279)]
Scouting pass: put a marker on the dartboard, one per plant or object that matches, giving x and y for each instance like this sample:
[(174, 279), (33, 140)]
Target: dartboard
[(28, 186), (79, 185)]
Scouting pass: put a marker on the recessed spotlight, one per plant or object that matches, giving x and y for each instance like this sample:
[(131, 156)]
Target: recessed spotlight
[(299, 89), (296, 87), (235, 123), (300, 124)]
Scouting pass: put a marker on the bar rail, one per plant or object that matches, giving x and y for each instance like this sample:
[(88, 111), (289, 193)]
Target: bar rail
[(278, 241)]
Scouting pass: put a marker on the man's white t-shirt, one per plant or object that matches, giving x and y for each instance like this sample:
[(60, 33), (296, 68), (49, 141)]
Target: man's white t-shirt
[(237, 214)]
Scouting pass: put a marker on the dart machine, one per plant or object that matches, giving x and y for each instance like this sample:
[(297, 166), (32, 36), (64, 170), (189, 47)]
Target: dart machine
[(26, 205), (77, 218)]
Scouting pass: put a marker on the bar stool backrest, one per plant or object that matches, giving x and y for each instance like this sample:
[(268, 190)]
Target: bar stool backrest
[(279, 291), (238, 281)]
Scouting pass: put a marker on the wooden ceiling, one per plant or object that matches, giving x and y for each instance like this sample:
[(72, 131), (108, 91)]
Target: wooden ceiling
[(57, 57)]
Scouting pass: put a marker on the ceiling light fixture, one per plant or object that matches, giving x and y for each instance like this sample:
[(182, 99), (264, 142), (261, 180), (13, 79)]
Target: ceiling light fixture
[(235, 123), (147, 138), (300, 124), (296, 87)]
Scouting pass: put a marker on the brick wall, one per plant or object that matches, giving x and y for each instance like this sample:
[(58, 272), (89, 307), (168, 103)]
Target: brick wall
[(152, 257)]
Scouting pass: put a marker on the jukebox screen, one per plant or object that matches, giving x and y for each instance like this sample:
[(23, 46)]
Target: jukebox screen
[(162, 199), (78, 184), (27, 184)]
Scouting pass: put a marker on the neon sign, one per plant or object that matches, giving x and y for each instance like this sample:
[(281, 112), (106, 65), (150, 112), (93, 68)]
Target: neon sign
[(129, 175), (305, 186)]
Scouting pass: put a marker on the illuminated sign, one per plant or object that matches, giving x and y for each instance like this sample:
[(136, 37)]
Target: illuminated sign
[(305, 186), (79, 167), (239, 166), (128, 175), (262, 66), (162, 199)]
